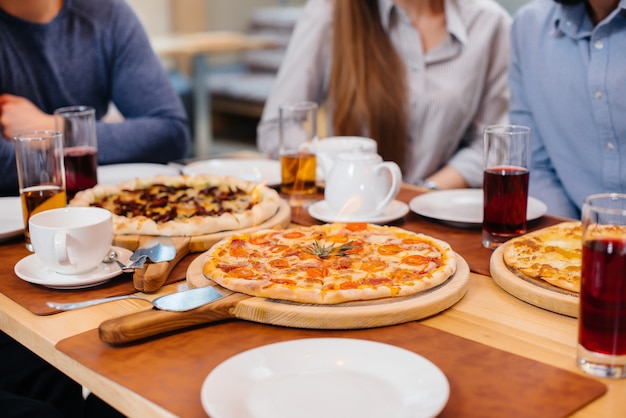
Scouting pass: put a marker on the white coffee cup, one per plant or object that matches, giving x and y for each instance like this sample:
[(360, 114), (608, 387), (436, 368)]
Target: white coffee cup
[(326, 150), (361, 185), (71, 240)]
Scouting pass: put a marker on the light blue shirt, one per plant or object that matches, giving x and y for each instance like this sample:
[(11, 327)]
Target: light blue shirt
[(568, 83)]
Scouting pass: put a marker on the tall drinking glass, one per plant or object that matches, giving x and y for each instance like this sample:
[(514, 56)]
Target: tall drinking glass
[(602, 316), (78, 124), (298, 128), (40, 172), (506, 160)]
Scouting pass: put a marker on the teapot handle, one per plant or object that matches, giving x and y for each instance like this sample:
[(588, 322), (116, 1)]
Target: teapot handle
[(396, 182)]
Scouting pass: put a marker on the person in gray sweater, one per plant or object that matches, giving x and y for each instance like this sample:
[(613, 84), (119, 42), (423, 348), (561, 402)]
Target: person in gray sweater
[(82, 52)]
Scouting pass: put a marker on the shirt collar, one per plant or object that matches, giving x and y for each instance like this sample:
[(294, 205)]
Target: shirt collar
[(573, 21), (454, 21)]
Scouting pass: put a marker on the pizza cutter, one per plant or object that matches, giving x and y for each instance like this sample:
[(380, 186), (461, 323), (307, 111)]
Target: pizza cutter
[(157, 249)]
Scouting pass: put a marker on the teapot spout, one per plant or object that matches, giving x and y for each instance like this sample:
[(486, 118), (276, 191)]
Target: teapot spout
[(324, 162)]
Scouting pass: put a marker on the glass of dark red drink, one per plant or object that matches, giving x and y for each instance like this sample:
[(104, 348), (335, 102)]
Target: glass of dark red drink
[(602, 316), (506, 160), (78, 124)]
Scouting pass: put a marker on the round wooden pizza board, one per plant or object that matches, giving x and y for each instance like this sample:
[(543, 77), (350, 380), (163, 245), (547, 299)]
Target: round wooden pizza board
[(349, 315), (534, 292)]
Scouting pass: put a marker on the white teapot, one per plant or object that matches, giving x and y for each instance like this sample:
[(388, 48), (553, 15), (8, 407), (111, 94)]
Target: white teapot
[(361, 185), (327, 149)]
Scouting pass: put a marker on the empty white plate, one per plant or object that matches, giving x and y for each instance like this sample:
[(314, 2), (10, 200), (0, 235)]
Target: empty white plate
[(11, 218), (117, 173), (325, 377), (463, 206), (257, 170)]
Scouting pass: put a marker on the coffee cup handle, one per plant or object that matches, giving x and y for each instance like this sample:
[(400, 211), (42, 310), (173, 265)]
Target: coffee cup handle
[(396, 182), (60, 248)]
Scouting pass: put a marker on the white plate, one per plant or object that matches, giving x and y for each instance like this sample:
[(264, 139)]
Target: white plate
[(463, 206), (394, 210), (32, 270), (117, 173), (257, 170), (11, 218), (325, 377)]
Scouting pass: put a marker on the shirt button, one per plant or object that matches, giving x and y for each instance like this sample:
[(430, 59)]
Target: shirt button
[(610, 146), (598, 94), (598, 44)]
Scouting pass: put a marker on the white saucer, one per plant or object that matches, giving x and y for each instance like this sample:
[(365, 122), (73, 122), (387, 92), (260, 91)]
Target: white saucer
[(325, 377), (394, 210), (32, 270)]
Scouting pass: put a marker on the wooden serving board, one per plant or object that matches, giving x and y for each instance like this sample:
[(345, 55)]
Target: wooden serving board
[(152, 276), (535, 292), (349, 315)]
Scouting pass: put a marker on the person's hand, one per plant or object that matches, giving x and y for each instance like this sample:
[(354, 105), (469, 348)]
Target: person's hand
[(18, 114)]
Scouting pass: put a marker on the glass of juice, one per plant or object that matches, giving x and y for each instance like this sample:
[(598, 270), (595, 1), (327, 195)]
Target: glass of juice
[(298, 128), (602, 315), (41, 173), (506, 157), (80, 145)]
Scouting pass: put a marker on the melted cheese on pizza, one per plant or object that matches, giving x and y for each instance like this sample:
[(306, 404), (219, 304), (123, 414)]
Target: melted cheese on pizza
[(330, 263), (163, 203), (552, 254)]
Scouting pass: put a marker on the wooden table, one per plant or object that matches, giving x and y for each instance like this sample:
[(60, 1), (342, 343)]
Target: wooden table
[(486, 314), (197, 46)]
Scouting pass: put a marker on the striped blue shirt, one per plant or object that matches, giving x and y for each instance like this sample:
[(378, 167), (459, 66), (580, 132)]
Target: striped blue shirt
[(568, 83)]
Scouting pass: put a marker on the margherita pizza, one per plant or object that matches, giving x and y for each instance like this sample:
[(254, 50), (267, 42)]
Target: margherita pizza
[(331, 263), (552, 254), (182, 205)]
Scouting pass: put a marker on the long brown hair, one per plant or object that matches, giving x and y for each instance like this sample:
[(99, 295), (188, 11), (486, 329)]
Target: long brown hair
[(367, 82)]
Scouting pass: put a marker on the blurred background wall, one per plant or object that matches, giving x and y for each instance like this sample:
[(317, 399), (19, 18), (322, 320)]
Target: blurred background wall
[(165, 16)]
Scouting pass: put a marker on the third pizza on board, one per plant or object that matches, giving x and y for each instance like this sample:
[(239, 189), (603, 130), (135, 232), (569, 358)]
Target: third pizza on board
[(552, 254), (331, 263)]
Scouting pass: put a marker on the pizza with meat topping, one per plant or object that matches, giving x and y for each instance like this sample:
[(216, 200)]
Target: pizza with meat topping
[(182, 205), (331, 263), (552, 254)]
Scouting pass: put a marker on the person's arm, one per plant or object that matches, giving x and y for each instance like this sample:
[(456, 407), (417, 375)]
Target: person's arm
[(447, 178), (18, 114), (303, 73), (492, 109), (544, 183), (155, 127)]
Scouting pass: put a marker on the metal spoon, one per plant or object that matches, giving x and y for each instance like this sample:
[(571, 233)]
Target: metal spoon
[(112, 257)]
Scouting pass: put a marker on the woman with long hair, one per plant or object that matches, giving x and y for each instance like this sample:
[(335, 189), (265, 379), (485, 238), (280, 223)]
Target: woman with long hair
[(421, 77)]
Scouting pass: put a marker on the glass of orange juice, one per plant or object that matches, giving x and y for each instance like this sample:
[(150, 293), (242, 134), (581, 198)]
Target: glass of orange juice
[(40, 172), (298, 128)]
